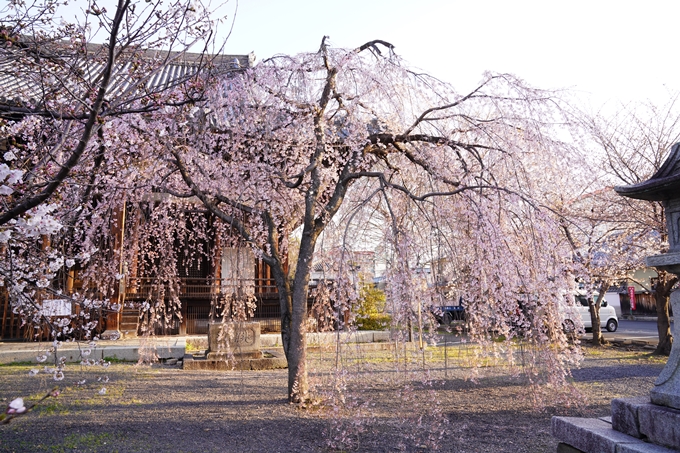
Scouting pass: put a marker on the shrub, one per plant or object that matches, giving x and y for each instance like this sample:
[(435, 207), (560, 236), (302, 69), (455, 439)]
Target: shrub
[(371, 309), (378, 321)]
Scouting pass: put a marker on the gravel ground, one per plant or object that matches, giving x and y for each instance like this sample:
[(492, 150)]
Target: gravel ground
[(379, 406)]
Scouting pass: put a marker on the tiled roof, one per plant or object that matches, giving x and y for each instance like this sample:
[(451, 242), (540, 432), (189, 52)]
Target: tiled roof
[(26, 83), (663, 185)]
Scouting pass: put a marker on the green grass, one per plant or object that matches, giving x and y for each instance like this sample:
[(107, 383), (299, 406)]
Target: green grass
[(190, 347), (643, 356), (622, 355), (84, 442), (53, 407), (22, 363), (117, 360)]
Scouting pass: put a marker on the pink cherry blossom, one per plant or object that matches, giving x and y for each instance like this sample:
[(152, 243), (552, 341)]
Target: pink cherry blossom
[(16, 406)]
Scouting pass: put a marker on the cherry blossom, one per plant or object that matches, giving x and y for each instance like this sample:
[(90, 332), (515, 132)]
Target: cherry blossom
[(460, 190), (59, 149), (286, 146), (16, 406)]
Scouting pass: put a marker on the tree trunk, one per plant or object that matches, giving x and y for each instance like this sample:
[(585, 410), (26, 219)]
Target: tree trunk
[(598, 339), (286, 304), (663, 324), (293, 336), (293, 300), (594, 306), (298, 384)]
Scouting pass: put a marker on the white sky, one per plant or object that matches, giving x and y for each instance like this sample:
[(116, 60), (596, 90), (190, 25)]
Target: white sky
[(610, 51), (615, 50)]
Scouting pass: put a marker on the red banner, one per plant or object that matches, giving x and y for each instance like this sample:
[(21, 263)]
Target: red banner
[(631, 293)]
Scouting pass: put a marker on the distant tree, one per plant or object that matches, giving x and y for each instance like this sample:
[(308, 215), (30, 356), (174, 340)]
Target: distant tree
[(634, 144), (606, 245)]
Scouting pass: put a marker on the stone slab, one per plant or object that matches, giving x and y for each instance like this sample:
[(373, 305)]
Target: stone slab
[(269, 340), (119, 350), (589, 435), (272, 360), (381, 336), (643, 448), (237, 337), (235, 356), (666, 390), (313, 338), (667, 395), (668, 261), (660, 424), (362, 336), (625, 415)]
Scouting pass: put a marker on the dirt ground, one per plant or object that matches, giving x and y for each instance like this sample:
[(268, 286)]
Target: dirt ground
[(372, 405)]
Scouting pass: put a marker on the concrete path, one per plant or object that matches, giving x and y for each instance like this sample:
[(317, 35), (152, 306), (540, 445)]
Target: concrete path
[(165, 347), (175, 347)]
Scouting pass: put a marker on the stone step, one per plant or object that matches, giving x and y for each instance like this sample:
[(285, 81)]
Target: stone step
[(271, 360), (593, 435), (129, 322), (639, 417)]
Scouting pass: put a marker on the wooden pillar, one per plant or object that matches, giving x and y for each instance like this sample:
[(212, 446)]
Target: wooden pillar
[(113, 318), (4, 301)]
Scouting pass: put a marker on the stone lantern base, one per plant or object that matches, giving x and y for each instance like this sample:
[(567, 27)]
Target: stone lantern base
[(235, 346), (636, 426)]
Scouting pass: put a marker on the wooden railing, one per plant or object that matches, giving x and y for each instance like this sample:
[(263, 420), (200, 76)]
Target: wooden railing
[(196, 288)]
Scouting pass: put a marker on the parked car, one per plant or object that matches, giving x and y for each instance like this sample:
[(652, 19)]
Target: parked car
[(608, 318), (447, 313)]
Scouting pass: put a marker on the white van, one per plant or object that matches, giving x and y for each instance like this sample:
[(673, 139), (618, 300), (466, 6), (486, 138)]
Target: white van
[(608, 317)]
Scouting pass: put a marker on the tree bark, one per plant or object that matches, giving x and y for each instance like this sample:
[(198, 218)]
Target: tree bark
[(663, 324), (594, 306), (293, 301), (286, 304), (298, 384), (598, 339)]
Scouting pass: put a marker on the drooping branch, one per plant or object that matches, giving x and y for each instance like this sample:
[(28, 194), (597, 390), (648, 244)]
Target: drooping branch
[(423, 116), (387, 184), (390, 139), (212, 207), (379, 141), (230, 220)]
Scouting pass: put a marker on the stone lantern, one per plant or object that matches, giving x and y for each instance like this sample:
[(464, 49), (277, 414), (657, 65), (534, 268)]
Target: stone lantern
[(648, 424)]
